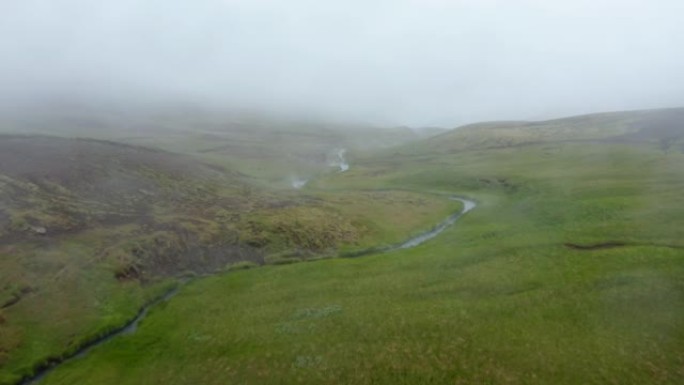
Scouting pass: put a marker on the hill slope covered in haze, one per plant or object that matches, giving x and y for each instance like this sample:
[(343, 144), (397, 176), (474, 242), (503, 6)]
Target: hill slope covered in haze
[(662, 127), (272, 149), (569, 271)]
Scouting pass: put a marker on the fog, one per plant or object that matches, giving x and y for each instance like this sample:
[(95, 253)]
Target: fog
[(409, 62)]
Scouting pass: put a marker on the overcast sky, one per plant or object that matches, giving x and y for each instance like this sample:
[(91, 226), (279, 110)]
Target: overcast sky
[(414, 62)]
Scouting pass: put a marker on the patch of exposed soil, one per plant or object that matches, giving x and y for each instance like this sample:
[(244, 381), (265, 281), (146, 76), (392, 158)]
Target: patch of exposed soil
[(616, 244), (595, 246), (17, 297)]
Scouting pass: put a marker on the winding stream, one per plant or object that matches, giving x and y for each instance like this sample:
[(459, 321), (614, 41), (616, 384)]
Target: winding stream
[(417, 240), (468, 205), (132, 326), (129, 328)]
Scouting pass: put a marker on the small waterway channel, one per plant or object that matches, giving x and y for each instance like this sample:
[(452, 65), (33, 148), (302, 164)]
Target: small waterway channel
[(417, 240), (468, 205), (129, 328)]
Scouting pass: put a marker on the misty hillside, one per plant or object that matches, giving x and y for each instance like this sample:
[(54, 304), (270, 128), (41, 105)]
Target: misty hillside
[(590, 160), (265, 146), (663, 127)]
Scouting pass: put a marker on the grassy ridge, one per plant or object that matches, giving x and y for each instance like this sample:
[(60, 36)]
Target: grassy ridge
[(569, 272), (660, 127)]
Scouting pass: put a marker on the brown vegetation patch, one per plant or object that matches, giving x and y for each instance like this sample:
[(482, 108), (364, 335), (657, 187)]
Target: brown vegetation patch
[(75, 160), (127, 273)]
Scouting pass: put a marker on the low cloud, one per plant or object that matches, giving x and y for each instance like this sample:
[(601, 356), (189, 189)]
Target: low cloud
[(412, 62)]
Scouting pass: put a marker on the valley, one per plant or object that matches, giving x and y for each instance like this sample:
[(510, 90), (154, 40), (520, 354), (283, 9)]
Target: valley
[(568, 271)]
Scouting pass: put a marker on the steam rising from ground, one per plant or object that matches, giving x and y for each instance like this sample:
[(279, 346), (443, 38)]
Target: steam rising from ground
[(342, 161), (298, 183)]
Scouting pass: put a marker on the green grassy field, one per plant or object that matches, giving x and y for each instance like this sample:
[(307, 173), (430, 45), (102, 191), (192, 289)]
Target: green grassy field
[(569, 271)]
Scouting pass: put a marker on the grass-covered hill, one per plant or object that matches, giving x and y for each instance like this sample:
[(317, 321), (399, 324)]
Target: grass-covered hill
[(53, 187), (569, 271), (663, 127), (90, 230)]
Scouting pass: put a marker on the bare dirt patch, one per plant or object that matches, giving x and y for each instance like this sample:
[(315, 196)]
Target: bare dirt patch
[(595, 246)]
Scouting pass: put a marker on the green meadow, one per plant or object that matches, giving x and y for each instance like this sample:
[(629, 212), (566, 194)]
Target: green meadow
[(569, 271)]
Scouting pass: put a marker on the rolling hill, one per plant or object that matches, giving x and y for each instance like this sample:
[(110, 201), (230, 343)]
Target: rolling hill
[(663, 127), (569, 271)]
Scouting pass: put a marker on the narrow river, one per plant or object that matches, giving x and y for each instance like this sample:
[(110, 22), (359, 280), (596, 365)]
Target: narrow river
[(417, 240)]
